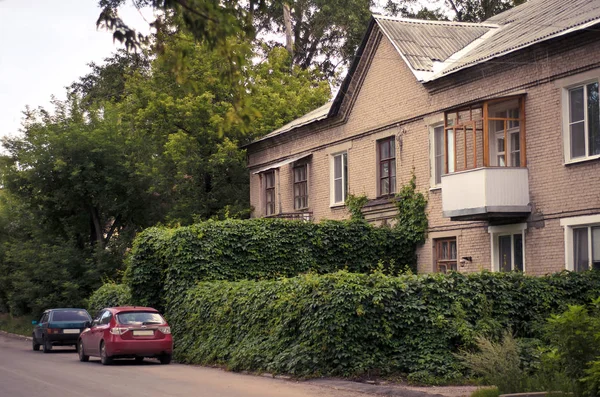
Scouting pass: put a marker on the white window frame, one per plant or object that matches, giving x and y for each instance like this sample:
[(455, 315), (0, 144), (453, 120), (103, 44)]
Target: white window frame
[(573, 223), (344, 178), (432, 158), (505, 230), (571, 84)]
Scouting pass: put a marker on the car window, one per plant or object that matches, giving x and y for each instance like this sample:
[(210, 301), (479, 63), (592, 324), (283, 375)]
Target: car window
[(139, 318), (70, 315), (44, 318), (105, 319)]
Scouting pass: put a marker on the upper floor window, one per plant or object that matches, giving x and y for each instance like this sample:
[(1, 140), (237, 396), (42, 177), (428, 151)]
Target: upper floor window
[(301, 186), (386, 152), (488, 134), (438, 155), (583, 139), (582, 242), (339, 178), (269, 192)]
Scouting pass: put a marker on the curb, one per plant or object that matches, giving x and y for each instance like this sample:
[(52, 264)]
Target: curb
[(15, 336)]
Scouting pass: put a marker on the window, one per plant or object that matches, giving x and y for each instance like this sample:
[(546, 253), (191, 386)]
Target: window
[(386, 151), (445, 254), (269, 192), (301, 186), (105, 319), (583, 129), (438, 155), (508, 248), (582, 242), (488, 134), (340, 178)]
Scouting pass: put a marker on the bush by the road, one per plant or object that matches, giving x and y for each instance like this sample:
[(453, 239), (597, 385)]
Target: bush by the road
[(109, 295), (169, 261), (347, 324)]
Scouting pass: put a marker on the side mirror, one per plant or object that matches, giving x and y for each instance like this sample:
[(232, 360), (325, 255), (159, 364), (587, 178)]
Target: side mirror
[(34, 322)]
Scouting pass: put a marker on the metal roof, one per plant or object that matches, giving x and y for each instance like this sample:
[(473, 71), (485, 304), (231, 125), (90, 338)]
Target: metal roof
[(422, 43), (434, 49), (530, 23), (317, 114)]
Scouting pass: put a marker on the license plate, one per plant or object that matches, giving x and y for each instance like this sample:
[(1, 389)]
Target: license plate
[(70, 331), (143, 333)]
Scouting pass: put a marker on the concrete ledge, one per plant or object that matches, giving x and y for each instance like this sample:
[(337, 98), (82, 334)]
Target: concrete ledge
[(15, 336)]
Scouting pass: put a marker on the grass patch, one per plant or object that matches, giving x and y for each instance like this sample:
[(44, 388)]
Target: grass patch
[(486, 392), (15, 325)]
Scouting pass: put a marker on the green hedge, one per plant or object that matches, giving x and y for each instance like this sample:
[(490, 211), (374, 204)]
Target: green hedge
[(169, 261), (346, 324), (109, 295)]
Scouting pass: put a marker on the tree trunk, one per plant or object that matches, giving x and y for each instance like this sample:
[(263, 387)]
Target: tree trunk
[(287, 21)]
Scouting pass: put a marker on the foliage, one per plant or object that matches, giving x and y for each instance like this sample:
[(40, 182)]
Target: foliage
[(499, 363), (109, 295), (486, 392), (354, 205), (480, 10), (357, 324), (575, 338), (172, 260), (15, 325), (412, 221)]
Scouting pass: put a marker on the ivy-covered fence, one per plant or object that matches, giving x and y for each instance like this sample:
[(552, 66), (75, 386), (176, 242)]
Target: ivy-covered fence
[(165, 263), (346, 324)]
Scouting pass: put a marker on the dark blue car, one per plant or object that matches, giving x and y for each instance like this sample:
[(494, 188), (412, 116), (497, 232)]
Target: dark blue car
[(59, 327)]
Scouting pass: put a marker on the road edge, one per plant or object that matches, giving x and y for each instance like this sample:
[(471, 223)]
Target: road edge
[(15, 336)]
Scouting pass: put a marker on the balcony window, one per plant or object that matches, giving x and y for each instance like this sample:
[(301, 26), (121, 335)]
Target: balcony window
[(508, 247), (489, 134)]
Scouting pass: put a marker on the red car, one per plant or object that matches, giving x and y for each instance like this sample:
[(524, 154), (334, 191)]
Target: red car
[(126, 332)]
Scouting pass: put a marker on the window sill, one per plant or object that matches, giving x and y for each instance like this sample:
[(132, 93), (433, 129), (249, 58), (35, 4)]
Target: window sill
[(583, 160), (435, 188), (337, 205)]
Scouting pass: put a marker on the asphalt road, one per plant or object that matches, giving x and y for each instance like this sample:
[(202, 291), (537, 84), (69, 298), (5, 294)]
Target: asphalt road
[(26, 373)]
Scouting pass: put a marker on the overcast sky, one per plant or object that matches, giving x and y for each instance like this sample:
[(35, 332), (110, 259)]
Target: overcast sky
[(45, 45)]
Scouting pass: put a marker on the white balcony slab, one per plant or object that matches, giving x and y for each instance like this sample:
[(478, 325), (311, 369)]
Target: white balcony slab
[(484, 193)]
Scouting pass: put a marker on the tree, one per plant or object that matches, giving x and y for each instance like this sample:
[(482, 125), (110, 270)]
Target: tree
[(480, 10)]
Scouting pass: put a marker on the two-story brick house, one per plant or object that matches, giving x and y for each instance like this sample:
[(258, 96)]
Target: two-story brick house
[(500, 122)]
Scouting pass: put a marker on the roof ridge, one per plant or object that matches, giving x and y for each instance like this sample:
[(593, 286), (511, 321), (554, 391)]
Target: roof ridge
[(432, 22)]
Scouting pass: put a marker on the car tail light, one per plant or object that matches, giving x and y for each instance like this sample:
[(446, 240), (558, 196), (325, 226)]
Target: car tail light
[(52, 331), (118, 331), (165, 330)]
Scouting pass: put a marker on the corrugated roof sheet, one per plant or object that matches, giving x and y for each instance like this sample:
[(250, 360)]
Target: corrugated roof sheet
[(527, 24), (317, 114), (422, 43)]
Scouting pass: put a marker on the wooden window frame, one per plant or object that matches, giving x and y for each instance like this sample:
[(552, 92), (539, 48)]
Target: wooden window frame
[(390, 161), (299, 183), (344, 178), (471, 125), (269, 193), (451, 264)]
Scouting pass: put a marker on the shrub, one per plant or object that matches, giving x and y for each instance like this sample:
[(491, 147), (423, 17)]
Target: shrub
[(498, 363), (109, 295), (346, 324), (164, 263), (486, 392)]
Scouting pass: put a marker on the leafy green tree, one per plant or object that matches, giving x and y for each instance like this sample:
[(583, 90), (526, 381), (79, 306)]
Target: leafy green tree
[(480, 10)]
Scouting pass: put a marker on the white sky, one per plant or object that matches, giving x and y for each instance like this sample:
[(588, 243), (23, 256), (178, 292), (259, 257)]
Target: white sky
[(45, 45)]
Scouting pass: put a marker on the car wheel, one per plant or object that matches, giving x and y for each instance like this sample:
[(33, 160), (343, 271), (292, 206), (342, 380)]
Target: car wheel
[(165, 359), (47, 345), (139, 360), (104, 358), (82, 356), (34, 344)]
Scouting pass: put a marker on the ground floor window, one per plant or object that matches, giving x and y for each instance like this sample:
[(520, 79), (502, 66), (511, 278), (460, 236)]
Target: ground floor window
[(582, 242), (446, 254), (508, 247)]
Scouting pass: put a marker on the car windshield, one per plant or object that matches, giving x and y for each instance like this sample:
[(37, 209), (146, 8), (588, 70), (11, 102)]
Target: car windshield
[(70, 315), (139, 318)]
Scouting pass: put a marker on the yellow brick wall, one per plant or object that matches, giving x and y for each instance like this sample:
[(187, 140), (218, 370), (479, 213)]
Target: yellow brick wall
[(390, 95)]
